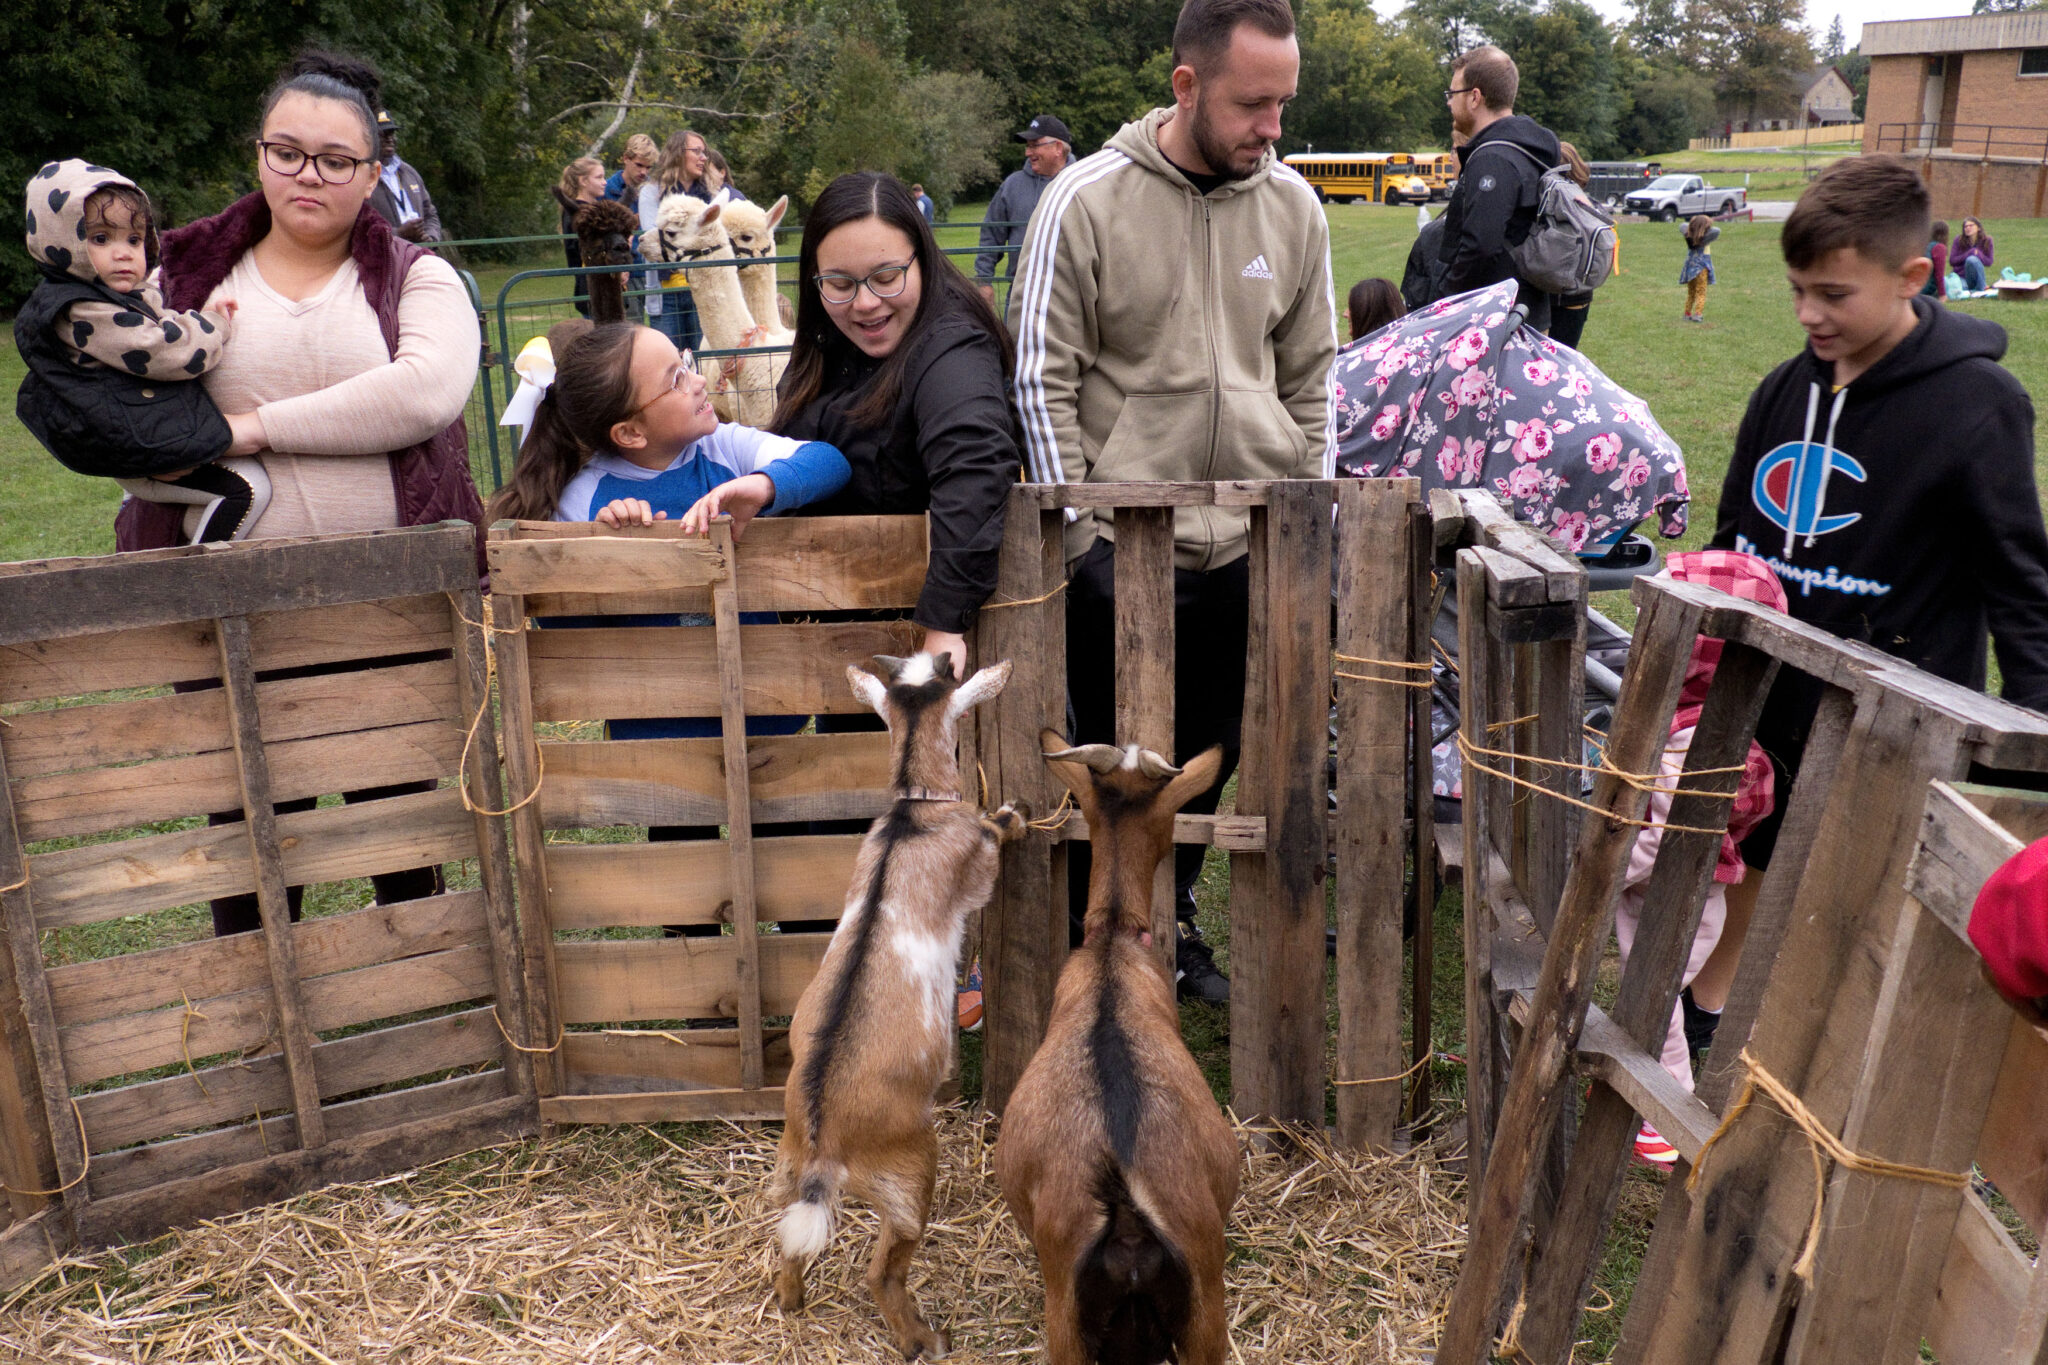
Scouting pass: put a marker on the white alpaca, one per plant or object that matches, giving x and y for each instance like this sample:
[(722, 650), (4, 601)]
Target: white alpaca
[(689, 230), (752, 230)]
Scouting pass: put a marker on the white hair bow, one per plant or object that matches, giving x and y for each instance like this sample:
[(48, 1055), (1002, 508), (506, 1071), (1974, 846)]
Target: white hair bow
[(536, 370)]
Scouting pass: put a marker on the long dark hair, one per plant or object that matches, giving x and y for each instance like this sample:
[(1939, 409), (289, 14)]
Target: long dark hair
[(819, 342), (592, 392)]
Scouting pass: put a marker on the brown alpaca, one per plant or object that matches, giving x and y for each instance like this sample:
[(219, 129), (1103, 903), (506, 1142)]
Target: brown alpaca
[(1114, 1157), (604, 234), (874, 1029)]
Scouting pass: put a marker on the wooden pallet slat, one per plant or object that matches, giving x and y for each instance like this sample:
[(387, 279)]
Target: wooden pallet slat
[(594, 783), (680, 978), (1144, 652), (799, 877)]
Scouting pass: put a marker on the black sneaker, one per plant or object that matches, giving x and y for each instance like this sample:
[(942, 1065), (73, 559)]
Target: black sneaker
[(1699, 1025), (1195, 976)]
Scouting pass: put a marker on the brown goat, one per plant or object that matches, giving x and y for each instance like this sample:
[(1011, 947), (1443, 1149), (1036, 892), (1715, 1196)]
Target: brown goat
[(605, 230), (874, 1029), (1114, 1157)]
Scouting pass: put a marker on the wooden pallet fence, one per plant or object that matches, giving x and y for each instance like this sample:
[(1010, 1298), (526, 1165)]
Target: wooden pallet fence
[(685, 1025), (1855, 992), (1280, 834), (150, 1086)]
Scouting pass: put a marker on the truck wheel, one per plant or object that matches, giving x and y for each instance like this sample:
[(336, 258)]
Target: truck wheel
[(1727, 208), (1668, 214)]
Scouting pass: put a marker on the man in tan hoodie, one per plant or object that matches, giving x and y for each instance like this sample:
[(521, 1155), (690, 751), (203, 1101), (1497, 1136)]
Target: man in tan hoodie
[(1175, 321)]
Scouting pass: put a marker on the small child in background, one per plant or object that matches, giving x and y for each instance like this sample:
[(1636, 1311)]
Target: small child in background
[(1373, 304), (1698, 271), (1937, 251), (109, 389), (1747, 577)]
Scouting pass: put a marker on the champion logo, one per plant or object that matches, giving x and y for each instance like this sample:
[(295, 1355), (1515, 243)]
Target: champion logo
[(1258, 269)]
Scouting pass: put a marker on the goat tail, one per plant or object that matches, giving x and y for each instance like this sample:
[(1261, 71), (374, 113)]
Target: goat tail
[(807, 1223), (1133, 1291)]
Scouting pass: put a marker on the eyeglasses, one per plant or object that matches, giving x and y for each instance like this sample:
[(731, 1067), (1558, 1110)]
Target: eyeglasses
[(884, 282), (685, 364), (1459, 90), (335, 168)]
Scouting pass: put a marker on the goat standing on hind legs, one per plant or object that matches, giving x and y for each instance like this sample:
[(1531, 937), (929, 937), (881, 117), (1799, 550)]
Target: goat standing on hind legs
[(1114, 1157), (874, 1029)]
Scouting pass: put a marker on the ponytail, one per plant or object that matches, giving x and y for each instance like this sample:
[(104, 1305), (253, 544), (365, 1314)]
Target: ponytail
[(592, 392)]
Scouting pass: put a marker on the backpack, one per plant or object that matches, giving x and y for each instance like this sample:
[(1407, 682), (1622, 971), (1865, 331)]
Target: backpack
[(1570, 247)]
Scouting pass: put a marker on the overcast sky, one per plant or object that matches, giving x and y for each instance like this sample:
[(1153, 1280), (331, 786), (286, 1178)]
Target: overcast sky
[(1819, 13)]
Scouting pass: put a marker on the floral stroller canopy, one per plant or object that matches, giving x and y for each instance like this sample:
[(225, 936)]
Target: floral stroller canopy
[(1462, 394)]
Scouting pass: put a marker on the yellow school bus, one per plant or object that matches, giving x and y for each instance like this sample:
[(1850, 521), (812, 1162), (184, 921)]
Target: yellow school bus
[(1374, 177), (1439, 171)]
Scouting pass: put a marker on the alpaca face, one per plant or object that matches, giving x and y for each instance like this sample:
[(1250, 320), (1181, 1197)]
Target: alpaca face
[(686, 229), (605, 232), (751, 228)]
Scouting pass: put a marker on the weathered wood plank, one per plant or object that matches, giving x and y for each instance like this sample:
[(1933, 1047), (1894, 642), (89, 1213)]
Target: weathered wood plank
[(26, 1162), (29, 1246), (1234, 833), (1510, 582), (674, 1059), (1144, 651), (658, 671), (672, 1106), (105, 987), (781, 564), (1984, 1282), (149, 1190), (102, 881), (1373, 523), (1960, 846), (801, 877), (2024, 814), (154, 1109), (1424, 599), (592, 784), (541, 1023), (1277, 949), (2013, 1148), (739, 841), (1538, 1085), (1224, 493), (679, 978), (1482, 1026), (1491, 526), (604, 564), (93, 596)]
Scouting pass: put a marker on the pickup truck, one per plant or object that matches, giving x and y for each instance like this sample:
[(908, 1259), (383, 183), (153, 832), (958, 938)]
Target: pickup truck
[(1681, 196)]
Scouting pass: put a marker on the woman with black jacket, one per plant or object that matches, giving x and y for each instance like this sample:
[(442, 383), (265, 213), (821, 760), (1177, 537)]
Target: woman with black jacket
[(900, 364)]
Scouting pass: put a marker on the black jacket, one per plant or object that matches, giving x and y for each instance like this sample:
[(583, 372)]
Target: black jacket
[(1494, 206), (99, 420), (382, 200), (951, 451), (1422, 277), (1902, 511)]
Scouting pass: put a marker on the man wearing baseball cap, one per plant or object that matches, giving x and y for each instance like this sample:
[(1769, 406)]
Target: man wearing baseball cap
[(1048, 147), (400, 195)]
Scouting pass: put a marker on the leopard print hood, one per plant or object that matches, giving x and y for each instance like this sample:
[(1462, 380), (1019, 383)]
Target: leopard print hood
[(55, 220)]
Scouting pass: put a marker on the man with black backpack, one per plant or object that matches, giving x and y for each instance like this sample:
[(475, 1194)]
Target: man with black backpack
[(1502, 159)]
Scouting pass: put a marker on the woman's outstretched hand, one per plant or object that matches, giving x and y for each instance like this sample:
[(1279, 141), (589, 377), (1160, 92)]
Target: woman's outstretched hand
[(628, 512), (741, 499)]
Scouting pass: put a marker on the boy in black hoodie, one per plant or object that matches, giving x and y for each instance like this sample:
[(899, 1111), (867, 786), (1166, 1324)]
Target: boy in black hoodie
[(1885, 473)]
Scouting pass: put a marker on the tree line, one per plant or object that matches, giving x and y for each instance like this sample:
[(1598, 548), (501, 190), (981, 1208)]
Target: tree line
[(497, 95)]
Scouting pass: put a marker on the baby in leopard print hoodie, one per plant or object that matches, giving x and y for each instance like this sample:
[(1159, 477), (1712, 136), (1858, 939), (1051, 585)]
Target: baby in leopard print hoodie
[(111, 388)]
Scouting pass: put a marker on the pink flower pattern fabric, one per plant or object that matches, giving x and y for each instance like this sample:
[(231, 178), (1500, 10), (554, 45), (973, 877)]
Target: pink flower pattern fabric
[(1461, 396)]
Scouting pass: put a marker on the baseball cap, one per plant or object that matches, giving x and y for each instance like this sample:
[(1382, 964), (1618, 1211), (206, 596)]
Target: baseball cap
[(1045, 125), (2009, 925), (386, 123)]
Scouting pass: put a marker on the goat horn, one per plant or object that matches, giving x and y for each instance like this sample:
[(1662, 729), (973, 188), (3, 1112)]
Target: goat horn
[(1153, 765), (1103, 758), (890, 666)]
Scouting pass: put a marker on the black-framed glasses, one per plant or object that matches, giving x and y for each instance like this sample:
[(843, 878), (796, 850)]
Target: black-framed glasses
[(884, 282), (335, 168), (685, 364), (1459, 90)]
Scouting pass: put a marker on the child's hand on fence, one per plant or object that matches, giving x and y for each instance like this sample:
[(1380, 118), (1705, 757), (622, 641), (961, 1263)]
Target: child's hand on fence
[(741, 499), (628, 512)]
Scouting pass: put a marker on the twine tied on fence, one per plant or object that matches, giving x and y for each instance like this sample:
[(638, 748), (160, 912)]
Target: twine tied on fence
[(1642, 782), (490, 628), (561, 1032), (15, 886), (1061, 813), (185, 1039), (1398, 1076), (1821, 1144), (84, 1148), (1404, 664), (1027, 601)]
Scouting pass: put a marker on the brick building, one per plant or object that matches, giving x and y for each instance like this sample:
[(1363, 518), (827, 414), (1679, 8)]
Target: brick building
[(1968, 96)]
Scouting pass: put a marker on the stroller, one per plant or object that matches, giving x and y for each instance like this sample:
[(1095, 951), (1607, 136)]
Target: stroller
[(1462, 394)]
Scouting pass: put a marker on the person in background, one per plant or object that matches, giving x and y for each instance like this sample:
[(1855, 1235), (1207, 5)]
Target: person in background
[(1937, 251), (1373, 304), (1698, 271), (582, 182), (1970, 256), (354, 355), (401, 196), (924, 201), (1048, 148), (1568, 311), (679, 171), (1501, 160), (717, 175), (625, 182)]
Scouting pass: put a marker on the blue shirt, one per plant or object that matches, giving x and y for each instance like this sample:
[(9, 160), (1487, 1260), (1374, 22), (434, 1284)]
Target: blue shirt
[(802, 471)]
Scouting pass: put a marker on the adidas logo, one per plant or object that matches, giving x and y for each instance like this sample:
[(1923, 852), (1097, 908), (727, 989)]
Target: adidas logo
[(1258, 269)]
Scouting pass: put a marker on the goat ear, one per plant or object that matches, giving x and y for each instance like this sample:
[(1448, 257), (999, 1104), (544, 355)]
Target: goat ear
[(775, 213), (868, 689), (987, 683), (1197, 776)]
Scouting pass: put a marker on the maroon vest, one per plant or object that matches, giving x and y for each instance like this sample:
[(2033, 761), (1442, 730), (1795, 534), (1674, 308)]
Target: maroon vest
[(431, 479)]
